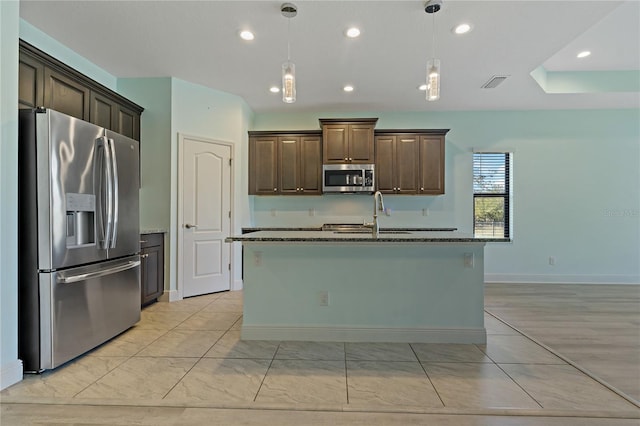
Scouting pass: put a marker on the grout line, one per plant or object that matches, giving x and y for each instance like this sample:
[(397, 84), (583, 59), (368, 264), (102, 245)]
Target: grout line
[(427, 374), (519, 385), (571, 363), (266, 372)]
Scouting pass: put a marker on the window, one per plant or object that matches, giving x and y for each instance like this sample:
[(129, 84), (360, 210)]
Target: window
[(491, 194)]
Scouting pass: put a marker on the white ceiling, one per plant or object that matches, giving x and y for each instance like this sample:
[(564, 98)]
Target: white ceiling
[(198, 41)]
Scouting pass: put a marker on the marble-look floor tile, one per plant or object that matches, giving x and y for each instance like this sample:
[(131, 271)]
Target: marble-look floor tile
[(448, 352), (182, 343), (37, 414), (128, 343), (230, 346), (67, 380), (221, 381), (476, 385), (237, 325), (379, 352), (205, 320), (328, 351), (224, 306), (192, 304), (162, 320), (564, 387), (517, 350), (310, 382), (139, 377), (495, 326), (390, 383)]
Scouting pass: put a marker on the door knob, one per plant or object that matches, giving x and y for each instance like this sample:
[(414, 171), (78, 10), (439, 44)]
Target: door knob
[(189, 226)]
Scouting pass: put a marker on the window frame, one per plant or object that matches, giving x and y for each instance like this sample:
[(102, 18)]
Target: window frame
[(506, 195)]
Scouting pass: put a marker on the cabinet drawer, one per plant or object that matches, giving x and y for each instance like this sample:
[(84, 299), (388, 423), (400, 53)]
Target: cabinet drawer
[(150, 240)]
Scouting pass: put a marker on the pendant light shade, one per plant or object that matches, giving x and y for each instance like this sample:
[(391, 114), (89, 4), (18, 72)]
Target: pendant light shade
[(289, 82), (289, 10), (433, 64), (433, 79)]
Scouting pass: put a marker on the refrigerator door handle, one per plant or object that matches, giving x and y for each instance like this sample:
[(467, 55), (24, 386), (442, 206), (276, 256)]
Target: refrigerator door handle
[(97, 274), (114, 194), (100, 169), (109, 181)]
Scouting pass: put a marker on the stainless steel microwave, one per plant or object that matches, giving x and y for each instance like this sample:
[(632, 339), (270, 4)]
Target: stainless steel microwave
[(348, 178)]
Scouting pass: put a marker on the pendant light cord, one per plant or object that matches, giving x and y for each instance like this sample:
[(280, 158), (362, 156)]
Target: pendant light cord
[(288, 39), (433, 34)]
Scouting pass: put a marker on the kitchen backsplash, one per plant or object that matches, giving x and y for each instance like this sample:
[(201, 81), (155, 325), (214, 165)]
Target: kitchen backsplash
[(401, 211)]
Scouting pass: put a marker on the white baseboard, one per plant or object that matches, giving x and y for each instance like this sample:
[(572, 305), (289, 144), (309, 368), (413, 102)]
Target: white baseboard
[(561, 279), (169, 296), (365, 334), (237, 285), (10, 373)]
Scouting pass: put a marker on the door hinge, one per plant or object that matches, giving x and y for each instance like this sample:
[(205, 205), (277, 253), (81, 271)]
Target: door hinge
[(229, 266), (230, 161), (229, 214)]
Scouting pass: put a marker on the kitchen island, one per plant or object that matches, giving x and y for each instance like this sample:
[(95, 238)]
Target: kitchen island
[(398, 286)]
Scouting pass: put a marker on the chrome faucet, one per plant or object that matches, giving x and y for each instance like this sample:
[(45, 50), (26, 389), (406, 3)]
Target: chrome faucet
[(378, 205)]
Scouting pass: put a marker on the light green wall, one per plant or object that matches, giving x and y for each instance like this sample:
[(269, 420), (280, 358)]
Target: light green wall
[(10, 366), (155, 149), (576, 181), (44, 42)]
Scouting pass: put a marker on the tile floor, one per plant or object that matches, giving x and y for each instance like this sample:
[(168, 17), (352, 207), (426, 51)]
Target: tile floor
[(189, 354)]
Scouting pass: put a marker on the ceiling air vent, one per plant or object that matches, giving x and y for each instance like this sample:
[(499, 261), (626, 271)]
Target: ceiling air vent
[(494, 81)]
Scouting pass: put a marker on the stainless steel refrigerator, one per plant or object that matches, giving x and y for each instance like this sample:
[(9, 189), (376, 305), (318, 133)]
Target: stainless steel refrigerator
[(78, 237)]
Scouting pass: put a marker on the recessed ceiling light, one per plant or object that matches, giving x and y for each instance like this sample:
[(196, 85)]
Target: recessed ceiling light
[(348, 88), (352, 32), (422, 87), (462, 28), (274, 89), (247, 35), (584, 54)]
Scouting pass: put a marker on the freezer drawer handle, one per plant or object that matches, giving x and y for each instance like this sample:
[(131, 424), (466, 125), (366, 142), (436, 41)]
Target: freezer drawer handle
[(97, 274)]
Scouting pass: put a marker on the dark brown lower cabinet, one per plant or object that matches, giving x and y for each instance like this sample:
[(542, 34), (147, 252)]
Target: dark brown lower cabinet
[(151, 267)]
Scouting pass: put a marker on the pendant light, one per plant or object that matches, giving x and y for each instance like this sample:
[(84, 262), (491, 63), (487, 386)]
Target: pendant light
[(433, 64), (289, 10)]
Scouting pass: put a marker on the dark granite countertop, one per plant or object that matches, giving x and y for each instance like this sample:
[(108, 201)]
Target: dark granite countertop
[(396, 235)]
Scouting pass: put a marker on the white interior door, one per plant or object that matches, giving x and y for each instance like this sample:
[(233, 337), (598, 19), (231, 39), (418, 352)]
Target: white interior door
[(206, 217)]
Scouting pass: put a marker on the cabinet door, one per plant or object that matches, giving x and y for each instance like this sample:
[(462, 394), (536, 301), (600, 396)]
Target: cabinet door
[(336, 148), (431, 165), (66, 95), (30, 82), (361, 143), (385, 163), (152, 267), (289, 162), (263, 166), (311, 165), (102, 111), (127, 123), (407, 165)]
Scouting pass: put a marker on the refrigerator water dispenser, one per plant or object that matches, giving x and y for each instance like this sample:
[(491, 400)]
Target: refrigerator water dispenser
[(81, 225)]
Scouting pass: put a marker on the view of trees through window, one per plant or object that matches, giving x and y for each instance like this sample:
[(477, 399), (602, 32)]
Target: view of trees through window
[(491, 194)]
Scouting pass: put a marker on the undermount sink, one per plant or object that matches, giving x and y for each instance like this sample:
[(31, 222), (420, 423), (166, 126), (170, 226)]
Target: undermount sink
[(368, 231)]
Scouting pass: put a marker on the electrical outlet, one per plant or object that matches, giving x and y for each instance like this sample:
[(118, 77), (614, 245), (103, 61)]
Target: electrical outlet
[(273, 212), (552, 261), (257, 258), (468, 260), (323, 298), (312, 212), (425, 212)]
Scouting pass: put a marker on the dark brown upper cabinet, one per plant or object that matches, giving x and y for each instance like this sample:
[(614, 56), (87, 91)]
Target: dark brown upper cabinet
[(348, 141), (410, 161), (43, 81), (285, 163)]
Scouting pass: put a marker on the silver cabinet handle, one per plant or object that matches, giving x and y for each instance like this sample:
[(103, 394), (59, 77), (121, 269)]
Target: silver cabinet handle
[(189, 226), (275, 189), (83, 277), (421, 189)]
